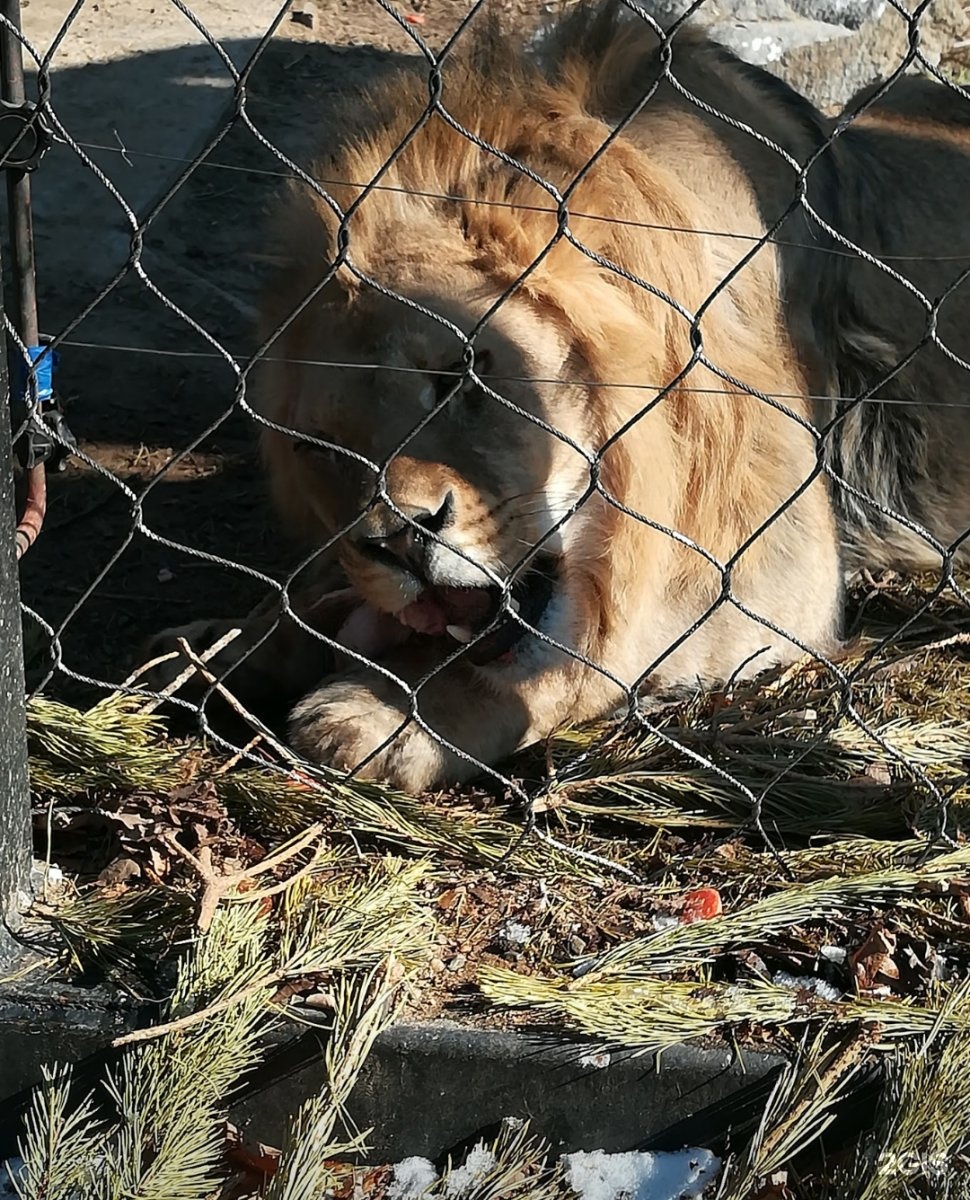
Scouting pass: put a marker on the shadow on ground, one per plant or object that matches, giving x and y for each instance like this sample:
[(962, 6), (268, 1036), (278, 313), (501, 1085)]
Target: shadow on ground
[(142, 385)]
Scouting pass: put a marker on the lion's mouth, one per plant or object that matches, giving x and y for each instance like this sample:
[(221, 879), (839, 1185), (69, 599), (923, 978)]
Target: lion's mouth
[(478, 618)]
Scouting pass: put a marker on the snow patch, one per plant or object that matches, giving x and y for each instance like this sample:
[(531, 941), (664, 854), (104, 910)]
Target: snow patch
[(514, 933), (473, 1170), (835, 954), (411, 1179), (595, 1061), (592, 1175), (684, 1175), (808, 983)]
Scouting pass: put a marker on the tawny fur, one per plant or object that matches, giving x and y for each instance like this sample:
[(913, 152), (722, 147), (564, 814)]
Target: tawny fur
[(700, 543)]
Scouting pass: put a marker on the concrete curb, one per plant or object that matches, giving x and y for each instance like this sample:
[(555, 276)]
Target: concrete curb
[(427, 1085)]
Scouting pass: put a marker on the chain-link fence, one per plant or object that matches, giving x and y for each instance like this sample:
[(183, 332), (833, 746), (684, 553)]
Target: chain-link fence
[(599, 376)]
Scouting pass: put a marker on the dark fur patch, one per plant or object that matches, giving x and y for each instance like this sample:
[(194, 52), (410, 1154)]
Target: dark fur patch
[(879, 448), (918, 98)]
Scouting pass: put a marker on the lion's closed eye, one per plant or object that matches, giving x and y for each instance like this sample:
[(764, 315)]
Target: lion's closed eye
[(456, 381)]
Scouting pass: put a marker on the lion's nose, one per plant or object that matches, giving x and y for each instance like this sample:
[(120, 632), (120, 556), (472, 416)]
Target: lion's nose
[(405, 541)]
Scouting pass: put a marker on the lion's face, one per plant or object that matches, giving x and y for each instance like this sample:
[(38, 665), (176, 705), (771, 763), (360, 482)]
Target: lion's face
[(438, 490)]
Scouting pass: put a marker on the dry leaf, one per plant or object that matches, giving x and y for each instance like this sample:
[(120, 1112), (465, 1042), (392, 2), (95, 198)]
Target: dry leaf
[(448, 899), (873, 962), (256, 1164)]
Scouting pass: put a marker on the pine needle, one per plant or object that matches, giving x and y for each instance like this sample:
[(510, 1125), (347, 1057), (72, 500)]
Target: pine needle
[(365, 1004), (55, 1148), (119, 934), (793, 743), (920, 1143), (755, 869), (802, 1105), (172, 1094), (110, 747), (356, 919), (651, 1015), (514, 1166), (115, 747)]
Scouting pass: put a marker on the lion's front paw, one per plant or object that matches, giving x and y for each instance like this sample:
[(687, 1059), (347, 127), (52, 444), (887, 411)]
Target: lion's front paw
[(347, 724)]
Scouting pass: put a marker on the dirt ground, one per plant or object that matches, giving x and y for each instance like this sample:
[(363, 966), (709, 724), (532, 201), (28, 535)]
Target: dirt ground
[(152, 402)]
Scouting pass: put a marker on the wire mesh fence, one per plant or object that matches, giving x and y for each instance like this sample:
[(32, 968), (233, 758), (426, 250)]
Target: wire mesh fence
[(612, 395)]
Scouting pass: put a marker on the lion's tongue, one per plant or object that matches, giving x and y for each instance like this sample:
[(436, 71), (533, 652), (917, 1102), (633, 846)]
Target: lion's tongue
[(448, 608), (371, 633)]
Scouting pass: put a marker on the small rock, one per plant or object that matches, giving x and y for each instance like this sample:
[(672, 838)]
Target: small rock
[(320, 1000), (825, 49), (120, 871), (851, 14), (45, 875), (764, 42), (835, 954), (457, 962)]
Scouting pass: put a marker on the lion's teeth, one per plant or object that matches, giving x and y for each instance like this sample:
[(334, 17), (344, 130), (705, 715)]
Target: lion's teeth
[(460, 633)]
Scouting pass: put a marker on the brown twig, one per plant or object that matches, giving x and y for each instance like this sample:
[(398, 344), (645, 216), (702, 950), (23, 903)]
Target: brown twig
[(184, 676), (282, 885), (239, 755), (843, 1061), (198, 664), (217, 887), (145, 668), (151, 1032), (271, 980)]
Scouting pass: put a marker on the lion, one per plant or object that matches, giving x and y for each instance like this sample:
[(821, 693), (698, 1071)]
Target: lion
[(558, 403)]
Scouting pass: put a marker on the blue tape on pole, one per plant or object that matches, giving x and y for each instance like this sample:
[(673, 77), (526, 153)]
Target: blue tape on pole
[(45, 361)]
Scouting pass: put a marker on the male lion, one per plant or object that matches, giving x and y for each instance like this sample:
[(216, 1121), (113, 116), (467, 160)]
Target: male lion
[(564, 462)]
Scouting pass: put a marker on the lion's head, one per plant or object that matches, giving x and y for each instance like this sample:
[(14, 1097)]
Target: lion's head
[(452, 425)]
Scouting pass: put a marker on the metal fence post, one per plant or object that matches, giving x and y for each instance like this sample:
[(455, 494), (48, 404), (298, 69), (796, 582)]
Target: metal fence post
[(15, 842), (15, 839)]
